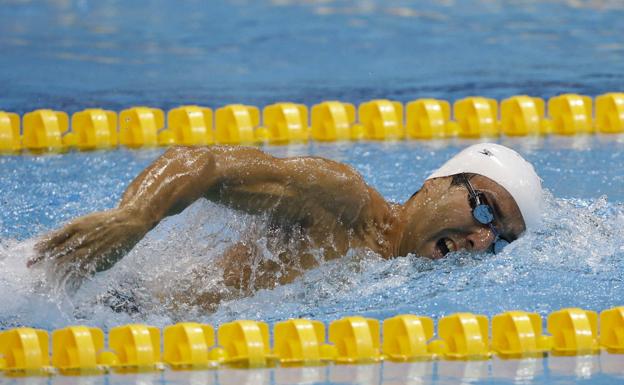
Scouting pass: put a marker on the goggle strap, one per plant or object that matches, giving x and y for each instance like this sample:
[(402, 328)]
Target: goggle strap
[(473, 193)]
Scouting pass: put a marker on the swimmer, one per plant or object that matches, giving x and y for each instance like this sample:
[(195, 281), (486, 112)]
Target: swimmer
[(480, 200)]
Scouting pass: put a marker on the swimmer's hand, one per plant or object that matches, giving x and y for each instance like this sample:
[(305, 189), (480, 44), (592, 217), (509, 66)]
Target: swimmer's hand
[(91, 243)]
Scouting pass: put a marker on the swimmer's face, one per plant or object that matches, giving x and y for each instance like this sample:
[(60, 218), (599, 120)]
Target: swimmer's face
[(442, 222)]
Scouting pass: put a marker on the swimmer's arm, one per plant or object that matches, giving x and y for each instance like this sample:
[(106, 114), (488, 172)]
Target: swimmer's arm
[(171, 183), (95, 242), (253, 181), (293, 190)]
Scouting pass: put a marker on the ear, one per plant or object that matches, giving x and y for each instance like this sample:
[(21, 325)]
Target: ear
[(440, 182), (429, 182), (426, 186)]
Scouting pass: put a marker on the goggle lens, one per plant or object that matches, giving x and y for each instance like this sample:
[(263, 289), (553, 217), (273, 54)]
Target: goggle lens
[(483, 214)]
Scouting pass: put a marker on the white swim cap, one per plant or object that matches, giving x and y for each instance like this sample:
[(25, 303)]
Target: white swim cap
[(505, 167)]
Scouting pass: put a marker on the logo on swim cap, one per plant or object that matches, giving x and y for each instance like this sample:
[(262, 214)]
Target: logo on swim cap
[(505, 167)]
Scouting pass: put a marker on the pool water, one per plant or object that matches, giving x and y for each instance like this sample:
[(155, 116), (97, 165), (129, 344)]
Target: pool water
[(575, 259), (71, 55), (74, 54)]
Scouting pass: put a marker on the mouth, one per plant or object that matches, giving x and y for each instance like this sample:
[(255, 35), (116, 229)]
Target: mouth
[(445, 246)]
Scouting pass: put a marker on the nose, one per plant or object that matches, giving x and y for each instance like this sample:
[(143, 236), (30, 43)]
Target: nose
[(480, 239)]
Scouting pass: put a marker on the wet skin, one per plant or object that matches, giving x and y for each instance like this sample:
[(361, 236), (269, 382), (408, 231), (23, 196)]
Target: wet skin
[(323, 204)]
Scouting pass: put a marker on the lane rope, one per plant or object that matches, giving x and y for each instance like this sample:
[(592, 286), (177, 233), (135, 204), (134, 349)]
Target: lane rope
[(46, 130), (78, 350)]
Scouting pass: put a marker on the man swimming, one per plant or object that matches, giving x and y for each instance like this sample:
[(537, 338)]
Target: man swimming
[(481, 199)]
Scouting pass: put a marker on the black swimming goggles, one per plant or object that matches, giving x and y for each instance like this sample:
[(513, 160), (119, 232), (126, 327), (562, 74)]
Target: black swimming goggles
[(483, 213)]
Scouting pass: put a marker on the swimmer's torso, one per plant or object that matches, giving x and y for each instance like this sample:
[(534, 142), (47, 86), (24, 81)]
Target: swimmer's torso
[(302, 233)]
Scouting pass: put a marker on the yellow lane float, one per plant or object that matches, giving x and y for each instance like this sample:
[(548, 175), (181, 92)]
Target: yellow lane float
[(284, 123)]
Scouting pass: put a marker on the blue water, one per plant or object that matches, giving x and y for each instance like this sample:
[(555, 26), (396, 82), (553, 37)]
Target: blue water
[(575, 259), (74, 54), (71, 55)]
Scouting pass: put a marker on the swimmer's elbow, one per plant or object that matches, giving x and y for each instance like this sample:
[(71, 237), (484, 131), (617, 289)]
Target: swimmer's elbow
[(190, 155), (199, 161)]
